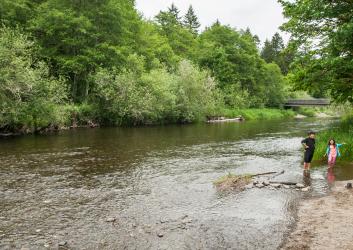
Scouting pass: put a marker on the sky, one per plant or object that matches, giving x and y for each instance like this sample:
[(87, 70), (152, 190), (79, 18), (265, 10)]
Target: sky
[(263, 17)]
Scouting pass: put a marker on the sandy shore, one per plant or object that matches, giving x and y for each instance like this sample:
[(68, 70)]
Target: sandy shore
[(325, 222)]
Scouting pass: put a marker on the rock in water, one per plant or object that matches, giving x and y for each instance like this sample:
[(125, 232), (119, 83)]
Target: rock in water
[(110, 219), (62, 243), (266, 182), (299, 185), (160, 235), (348, 185)]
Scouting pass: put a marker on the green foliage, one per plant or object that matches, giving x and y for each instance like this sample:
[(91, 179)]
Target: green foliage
[(154, 97), (191, 21), (246, 80), (274, 51), (77, 39), (29, 97), (322, 30), (84, 61)]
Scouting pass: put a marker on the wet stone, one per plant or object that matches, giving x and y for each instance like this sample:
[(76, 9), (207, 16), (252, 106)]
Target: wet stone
[(299, 185), (110, 219), (62, 243), (266, 182), (163, 220)]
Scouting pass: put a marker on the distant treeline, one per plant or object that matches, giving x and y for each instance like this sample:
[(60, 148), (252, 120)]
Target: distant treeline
[(65, 62)]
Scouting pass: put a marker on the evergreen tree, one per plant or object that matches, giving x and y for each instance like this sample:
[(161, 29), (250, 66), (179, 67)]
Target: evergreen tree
[(267, 52), (191, 21), (174, 11)]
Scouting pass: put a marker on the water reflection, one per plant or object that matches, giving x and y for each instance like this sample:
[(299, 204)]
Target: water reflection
[(330, 175)]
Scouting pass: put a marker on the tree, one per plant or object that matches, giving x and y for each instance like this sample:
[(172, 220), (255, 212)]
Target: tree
[(76, 40), (180, 39), (271, 51), (322, 31), (191, 21), (174, 11)]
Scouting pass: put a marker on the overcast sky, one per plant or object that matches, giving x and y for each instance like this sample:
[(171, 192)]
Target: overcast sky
[(263, 17)]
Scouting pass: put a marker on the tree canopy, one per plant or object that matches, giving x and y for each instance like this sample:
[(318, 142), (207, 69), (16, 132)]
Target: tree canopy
[(322, 31), (108, 64)]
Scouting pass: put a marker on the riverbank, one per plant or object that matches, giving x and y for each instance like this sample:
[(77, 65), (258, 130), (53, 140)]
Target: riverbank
[(82, 119), (258, 114), (325, 222)]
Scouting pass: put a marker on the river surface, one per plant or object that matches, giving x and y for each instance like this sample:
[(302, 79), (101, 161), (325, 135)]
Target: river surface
[(156, 183)]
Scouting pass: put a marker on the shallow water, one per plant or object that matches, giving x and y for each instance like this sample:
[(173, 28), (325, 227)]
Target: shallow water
[(153, 180)]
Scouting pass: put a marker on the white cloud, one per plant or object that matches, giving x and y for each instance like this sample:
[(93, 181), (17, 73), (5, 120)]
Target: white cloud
[(263, 17)]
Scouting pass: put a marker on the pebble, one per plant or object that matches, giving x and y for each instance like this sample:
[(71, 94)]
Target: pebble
[(299, 185), (38, 230), (187, 221), (110, 219), (160, 235), (163, 220), (62, 243), (260, 185), (286, 186)]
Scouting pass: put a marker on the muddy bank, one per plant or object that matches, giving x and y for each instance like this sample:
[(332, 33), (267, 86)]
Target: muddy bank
[(324, 222)]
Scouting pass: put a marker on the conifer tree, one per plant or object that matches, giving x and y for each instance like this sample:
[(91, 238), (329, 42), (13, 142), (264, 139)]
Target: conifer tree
[(191, 21)]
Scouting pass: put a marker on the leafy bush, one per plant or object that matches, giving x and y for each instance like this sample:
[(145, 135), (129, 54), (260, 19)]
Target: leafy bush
[(154, 97), (29, 98)]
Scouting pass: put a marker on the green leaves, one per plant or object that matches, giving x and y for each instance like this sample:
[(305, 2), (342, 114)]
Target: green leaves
[(323, 29), (29, 97)]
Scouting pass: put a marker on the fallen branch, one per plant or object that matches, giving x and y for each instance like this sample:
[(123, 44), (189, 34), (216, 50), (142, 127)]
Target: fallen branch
[(282, 172), (284, 183), (267, 173)]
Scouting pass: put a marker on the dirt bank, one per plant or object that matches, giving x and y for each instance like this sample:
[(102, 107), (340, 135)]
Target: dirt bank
[(325, 222)]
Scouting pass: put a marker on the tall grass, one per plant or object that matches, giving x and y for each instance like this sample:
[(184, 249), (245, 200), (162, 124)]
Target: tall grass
[(258, 114), (341, 134)]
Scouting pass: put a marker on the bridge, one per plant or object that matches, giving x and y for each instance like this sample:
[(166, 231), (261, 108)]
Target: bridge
[(308, 102)]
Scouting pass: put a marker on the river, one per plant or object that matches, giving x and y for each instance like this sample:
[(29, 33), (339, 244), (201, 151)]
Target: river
[(152, 187)]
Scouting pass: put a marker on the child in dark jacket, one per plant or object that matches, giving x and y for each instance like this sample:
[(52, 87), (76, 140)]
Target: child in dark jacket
[(309, 147)]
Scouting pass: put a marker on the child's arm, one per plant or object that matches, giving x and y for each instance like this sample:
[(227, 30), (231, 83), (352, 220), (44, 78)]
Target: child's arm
[(304, 144)]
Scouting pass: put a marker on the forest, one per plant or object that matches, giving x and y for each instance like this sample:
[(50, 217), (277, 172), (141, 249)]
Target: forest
[(79, 62)]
